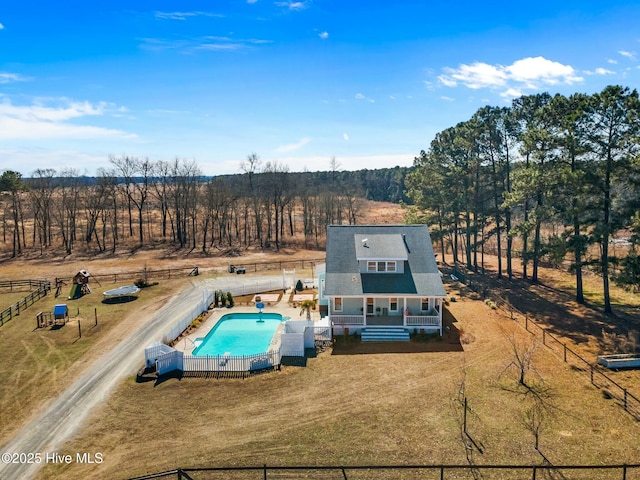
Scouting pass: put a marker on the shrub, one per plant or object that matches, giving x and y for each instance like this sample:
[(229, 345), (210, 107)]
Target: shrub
[(491, 304), (223, 300), (299, 286), (230, 301)]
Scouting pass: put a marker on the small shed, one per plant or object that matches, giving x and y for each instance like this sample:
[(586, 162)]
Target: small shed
[(61, 312)]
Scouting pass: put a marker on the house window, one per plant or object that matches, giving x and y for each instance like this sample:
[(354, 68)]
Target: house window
[(424, 304), (393, 304), (337, 304), (370, 305), (381, 266)]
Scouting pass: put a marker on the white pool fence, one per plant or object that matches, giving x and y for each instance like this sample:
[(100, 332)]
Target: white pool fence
[(176, 360), (297, 336)]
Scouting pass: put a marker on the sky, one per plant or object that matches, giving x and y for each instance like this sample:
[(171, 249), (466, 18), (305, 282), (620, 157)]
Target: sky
[(295, 82)]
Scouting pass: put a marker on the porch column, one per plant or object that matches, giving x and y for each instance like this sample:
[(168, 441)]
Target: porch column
[(364, 311), (439, 301), (404, 311)]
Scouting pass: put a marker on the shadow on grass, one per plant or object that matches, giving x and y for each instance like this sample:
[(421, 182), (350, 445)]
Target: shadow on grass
[(122, 299), (448, 342)]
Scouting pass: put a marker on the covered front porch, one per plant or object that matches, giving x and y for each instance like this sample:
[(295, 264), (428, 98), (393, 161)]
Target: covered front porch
[(356, 313)]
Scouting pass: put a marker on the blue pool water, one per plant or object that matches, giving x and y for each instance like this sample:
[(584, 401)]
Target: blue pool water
[(240, 334)]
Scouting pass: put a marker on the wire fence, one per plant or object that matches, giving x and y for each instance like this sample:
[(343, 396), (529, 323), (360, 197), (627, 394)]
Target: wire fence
[(401, 472), (593, 372), (42, 288)]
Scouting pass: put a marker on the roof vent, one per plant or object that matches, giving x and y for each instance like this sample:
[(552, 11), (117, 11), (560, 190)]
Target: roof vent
[(364, 242)]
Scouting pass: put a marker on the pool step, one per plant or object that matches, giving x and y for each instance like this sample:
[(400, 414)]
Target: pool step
[(384, 334)]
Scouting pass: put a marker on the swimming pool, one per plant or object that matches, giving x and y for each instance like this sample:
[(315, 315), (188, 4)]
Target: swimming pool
[(238, 334)]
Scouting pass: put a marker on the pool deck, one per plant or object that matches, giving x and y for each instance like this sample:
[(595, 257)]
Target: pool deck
[(187, 344)]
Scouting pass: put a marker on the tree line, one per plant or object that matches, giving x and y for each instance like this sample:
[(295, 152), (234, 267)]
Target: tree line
[(139, 201), (548, 176)]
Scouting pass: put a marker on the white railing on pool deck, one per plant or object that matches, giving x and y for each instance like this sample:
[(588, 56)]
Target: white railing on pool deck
[(426, 320), (347, 319)]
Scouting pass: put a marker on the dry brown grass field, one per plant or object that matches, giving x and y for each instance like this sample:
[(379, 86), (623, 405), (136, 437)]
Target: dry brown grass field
[(348, 405)]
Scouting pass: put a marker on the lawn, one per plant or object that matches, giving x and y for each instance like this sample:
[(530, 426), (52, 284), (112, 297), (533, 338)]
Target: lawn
[(39, 363), (364, 408)]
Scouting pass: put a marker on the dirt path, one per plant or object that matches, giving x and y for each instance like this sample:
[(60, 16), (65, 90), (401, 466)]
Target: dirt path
[(46, 434)]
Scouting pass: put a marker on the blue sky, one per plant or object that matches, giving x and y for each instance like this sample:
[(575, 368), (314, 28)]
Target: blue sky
[(297, 82)]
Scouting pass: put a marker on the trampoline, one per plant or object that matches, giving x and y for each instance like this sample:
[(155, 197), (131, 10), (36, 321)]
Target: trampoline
[(124, 291)]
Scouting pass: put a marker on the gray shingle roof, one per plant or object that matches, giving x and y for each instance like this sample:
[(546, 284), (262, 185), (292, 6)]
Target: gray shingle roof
[(343, 278), (380, 246)]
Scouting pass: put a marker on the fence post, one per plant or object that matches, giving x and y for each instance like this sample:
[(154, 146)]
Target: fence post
[(591, 366), (625, 398), (79, 330), (565, 352), (526, 323), (544, 337), (465, 415)]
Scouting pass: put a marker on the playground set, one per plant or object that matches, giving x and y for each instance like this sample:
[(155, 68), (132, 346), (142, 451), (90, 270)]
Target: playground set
[(79, 287)]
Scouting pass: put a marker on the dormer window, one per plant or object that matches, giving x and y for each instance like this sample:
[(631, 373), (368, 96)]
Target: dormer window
[(381, 266)]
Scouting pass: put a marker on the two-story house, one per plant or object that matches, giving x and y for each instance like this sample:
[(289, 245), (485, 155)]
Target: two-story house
[(381, 280)]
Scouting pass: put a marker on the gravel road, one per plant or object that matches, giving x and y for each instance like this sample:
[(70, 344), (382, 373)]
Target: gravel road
[(47, 433)]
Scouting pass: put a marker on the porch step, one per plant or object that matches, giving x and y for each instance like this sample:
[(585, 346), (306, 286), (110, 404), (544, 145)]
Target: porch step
[(384, 334)]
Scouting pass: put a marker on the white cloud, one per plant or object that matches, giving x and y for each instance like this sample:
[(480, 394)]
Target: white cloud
[(210, 43), (184, 15), (323, 35), (448, 99), (511, 93), (612, 61), (293, 5), (528, 73), (474, 76), (251, 2), (599, 71), (627, 54), (1, 26), (360, 96), (538, 70), (11, 77), (293, 146), (345, 136), (39, 121)]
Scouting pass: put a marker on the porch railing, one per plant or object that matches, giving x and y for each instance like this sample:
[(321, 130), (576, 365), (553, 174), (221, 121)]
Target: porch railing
[(423, 320), (347, 319)]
